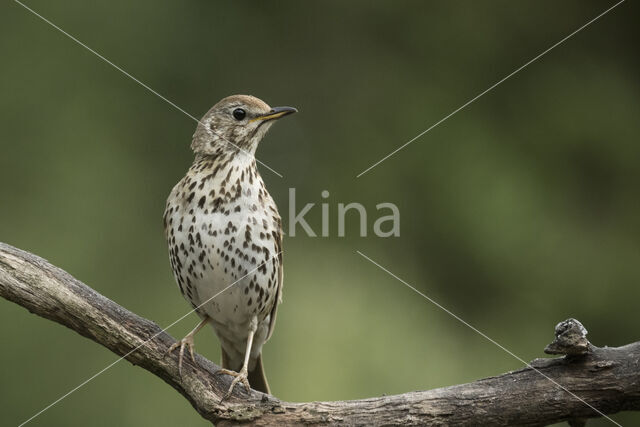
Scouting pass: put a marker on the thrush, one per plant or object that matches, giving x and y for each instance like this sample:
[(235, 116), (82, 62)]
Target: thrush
[(225, 237)]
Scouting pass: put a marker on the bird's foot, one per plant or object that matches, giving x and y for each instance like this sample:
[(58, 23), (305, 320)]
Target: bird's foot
[(184, 342), (240, 377)]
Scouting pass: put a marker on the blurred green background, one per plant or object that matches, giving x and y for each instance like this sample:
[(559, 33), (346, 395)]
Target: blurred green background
[(516, 213)]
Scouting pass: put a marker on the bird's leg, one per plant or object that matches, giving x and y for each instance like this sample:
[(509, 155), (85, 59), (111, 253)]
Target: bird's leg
[(242, 376), (187, 341)]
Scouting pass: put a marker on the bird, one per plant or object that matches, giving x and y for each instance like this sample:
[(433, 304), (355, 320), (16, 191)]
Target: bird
[(224, 234)]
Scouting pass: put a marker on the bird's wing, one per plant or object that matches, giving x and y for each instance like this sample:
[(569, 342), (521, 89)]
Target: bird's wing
[(274, 310)]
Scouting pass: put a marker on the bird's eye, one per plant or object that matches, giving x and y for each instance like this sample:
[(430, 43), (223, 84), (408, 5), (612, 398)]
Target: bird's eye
[(239, 114)]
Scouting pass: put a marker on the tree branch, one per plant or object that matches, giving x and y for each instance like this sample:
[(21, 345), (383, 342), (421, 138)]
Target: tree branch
[(606, 378)]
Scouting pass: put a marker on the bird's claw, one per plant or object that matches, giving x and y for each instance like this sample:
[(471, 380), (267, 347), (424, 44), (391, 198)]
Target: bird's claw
[(240, 377), (184, 342)]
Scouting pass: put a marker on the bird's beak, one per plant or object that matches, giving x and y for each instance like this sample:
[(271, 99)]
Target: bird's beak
[(275, 113)]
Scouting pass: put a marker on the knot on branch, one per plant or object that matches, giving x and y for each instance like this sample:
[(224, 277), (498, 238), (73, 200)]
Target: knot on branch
[(571, 339)]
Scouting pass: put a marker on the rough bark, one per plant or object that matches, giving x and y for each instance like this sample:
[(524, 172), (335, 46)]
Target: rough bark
[(607, 378)]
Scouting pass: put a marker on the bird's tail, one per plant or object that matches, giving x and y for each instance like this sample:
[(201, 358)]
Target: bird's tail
[(257, 378)]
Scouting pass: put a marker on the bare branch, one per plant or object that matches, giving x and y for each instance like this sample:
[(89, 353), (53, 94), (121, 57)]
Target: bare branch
[(606, 378)]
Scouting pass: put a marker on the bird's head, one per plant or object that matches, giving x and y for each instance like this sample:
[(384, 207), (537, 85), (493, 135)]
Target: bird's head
[(236, 122)]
